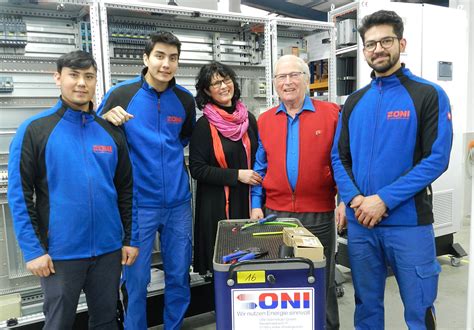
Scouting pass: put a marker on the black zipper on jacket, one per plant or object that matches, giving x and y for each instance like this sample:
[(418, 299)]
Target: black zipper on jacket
[(377, 110), (161, 149), (86, 162)]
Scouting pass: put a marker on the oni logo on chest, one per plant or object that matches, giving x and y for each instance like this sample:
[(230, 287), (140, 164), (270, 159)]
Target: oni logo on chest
[(174, 119), (101, 149), (398, 115)]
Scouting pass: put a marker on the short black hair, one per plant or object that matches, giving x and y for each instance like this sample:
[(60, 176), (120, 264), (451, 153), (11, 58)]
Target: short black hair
[(77, 59), (204, 78), (164, 38), (382, 17)]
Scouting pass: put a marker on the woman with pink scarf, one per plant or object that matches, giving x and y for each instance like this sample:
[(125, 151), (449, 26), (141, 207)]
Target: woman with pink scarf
[(221, 156)]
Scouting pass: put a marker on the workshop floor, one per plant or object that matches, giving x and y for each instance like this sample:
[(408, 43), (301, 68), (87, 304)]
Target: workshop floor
[(450, 304)]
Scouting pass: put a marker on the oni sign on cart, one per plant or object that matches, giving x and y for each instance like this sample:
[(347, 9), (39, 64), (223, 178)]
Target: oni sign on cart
[(273, 309)]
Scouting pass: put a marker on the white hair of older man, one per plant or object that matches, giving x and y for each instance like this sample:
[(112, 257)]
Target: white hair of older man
[(292, 58)]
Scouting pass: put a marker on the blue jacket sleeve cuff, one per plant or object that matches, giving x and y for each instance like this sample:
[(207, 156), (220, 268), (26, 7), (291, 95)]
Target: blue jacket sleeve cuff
[(390, 204), (133, 243), (256, 202), (33, 255), (347, 198)]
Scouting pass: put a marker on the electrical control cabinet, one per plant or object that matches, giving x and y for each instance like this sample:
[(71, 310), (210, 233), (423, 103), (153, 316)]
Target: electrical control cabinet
[(249, 44), (234, 39), (295, 37)]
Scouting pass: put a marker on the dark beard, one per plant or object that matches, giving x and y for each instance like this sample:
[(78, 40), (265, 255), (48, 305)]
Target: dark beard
[(383, 68)]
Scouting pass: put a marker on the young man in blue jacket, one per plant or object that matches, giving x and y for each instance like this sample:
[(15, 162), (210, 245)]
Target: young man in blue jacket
[(157, 116), (393, 140), (70, 192)]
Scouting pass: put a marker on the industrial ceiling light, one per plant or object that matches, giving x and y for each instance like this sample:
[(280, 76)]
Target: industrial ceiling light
[(307, 3), (300, 2)]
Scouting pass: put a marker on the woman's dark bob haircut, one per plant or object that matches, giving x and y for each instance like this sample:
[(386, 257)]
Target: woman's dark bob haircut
[(204, 78)]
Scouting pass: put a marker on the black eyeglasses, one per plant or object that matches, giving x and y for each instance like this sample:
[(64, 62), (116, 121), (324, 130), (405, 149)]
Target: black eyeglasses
[(386, 43), (218, 83)]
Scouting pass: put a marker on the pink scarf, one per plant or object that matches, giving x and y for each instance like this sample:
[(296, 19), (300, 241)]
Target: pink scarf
[(232, 126)]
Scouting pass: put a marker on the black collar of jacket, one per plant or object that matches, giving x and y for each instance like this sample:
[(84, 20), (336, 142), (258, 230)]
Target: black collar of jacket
[(66, 105), (76, 114)]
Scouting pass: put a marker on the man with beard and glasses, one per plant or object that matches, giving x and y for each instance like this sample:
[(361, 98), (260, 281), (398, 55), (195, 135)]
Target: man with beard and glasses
[(393, 140)]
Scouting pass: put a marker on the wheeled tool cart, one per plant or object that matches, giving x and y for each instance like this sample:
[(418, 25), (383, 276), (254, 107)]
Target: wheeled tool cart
[(265, 292)]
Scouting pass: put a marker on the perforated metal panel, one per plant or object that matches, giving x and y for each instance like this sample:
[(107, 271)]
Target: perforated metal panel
[(443, 208), (13, 274)]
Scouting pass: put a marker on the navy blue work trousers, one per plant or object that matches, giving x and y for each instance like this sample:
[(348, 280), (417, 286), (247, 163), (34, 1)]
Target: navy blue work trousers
[(99, 277)]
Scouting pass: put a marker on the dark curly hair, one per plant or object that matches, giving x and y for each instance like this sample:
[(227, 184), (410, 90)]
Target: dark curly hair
[(204, 78), (382, 17)]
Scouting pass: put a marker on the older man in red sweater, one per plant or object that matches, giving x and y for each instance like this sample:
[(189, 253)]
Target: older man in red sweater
[(293, 157)]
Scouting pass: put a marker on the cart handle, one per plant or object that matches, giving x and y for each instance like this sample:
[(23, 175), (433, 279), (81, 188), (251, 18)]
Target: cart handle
[(232, 268)]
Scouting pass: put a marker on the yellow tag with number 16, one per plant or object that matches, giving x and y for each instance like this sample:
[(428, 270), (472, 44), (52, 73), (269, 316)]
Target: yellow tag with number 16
[(253, 276)]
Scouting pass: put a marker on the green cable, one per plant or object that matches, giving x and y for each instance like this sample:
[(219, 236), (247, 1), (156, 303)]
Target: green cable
[(281, 223), (268, 233), (275, 223)]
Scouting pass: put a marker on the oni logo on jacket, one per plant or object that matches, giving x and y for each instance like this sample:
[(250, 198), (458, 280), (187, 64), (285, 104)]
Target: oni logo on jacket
[(174, 119), (398, 114), (100, 149)]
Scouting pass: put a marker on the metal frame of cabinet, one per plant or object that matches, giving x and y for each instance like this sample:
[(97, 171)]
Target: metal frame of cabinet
[(334, 16), (292, 32)]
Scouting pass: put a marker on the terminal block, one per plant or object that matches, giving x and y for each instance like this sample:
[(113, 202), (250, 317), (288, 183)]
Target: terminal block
[(6, 84), (12, 32)]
